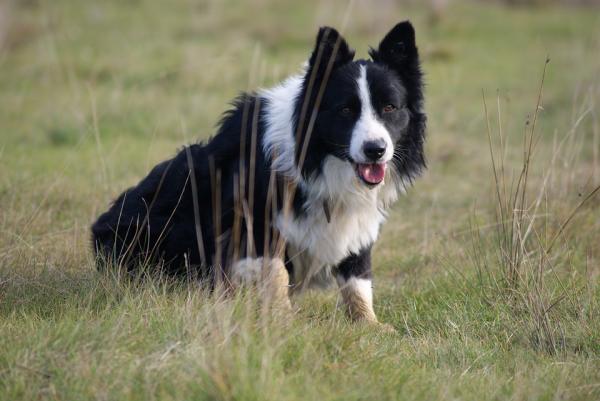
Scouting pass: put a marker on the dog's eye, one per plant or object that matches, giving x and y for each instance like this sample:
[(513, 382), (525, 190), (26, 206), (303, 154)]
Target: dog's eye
[(345, 111), (389, 108)]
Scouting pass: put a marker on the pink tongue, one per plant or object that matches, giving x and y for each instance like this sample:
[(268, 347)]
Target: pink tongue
[(372, 173)]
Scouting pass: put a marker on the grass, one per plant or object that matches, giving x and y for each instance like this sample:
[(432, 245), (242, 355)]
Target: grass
[(92, 95)]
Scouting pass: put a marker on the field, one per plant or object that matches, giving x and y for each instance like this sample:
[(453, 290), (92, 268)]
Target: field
[(490, 279)]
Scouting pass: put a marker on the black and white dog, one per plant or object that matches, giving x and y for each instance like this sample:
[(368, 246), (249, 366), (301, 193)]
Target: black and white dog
[(298, 177)]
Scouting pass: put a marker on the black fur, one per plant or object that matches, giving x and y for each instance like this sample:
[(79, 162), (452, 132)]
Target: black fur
[(356, 265)]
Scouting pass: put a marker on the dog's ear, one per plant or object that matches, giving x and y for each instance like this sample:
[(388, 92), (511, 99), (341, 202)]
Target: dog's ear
[(330, 47), (398, 49), (398, 52)]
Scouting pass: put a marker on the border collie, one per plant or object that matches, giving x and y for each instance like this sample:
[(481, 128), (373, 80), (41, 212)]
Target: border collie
[(297, 179)]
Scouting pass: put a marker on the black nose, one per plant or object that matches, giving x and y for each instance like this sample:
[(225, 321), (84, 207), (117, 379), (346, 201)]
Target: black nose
[(374, 149)]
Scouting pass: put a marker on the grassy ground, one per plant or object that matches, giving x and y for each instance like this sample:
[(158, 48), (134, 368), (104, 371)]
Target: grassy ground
[(94, 93)]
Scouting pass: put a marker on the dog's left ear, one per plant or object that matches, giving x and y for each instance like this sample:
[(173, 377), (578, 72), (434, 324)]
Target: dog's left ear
[(398, 47), (398, 51)]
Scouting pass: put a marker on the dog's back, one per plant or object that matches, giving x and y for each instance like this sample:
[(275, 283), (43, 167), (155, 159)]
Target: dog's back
[(146, 217), (181, 215)]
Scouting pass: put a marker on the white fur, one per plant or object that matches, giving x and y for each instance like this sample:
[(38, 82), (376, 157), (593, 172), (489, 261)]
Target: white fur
[(246, 271), (356, 213), (368, 127), (363, 287), (279, 139)]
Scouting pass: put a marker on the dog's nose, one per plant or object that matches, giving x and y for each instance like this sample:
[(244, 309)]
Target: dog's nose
[(374, 150)]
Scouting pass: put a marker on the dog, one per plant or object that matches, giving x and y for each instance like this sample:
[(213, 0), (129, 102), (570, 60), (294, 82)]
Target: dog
[(295, 183)]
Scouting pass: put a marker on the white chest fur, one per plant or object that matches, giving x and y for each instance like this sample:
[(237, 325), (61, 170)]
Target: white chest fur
[(356, 214)]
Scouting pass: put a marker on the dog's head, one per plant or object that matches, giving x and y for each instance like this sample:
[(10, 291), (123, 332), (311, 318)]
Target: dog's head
[(366, 113)]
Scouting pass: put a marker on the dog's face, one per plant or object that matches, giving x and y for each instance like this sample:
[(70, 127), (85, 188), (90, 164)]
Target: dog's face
[(369, 112)]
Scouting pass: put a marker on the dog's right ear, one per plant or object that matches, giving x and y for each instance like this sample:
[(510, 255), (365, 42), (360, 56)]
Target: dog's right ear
[(330, 47)]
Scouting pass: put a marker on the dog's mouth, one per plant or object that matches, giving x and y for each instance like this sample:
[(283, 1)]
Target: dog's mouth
[(371, 174)]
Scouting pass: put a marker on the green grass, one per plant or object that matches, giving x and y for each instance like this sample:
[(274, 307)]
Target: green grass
[(92, 94)]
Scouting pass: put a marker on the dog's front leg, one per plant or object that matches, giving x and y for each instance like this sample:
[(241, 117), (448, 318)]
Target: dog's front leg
[(355, 281)]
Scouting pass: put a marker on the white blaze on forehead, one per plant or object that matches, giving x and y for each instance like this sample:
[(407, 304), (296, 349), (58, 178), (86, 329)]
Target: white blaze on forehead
[(368, 127)]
